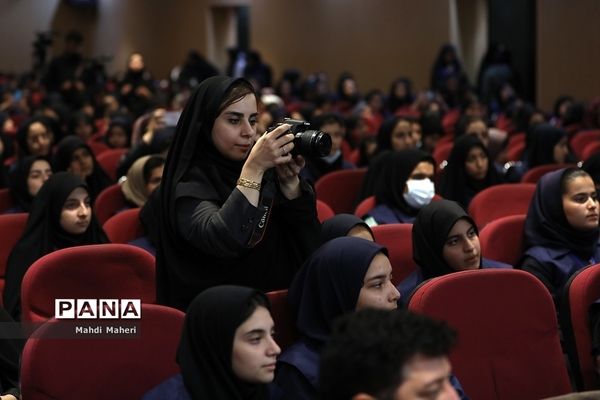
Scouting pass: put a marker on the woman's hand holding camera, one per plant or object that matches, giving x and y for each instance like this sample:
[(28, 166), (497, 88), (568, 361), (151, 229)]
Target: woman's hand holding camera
[(271, 149)]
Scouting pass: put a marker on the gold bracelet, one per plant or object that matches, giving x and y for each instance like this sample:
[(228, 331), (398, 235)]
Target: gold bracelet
[(249, 184)]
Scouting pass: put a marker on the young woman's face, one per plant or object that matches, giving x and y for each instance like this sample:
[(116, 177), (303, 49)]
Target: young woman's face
[(462, 250), (378, 291), (39, 173), (154, 179), (255, 352), (234, 130), (84, 130), (117, 137), (580, 203), (476, 163), (76, 213), (423, 170), (560, 151), (402, 136), (39, 139), (82, 163)]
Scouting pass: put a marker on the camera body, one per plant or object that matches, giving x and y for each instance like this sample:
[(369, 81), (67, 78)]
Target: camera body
[(307, 142)]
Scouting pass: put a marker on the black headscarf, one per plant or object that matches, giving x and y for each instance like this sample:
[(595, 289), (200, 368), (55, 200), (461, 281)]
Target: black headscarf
[(97, 181), (456, 184), (329, 283), (540, 144), (18, 181), (24, 130), (384, 135), (206, 344), (390, 189), (340, 225), (43, 234), (374, 174), (546, 224), (429, 233), (592, 167)]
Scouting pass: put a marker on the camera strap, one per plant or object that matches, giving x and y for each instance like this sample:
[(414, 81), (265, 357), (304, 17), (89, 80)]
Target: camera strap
[(267, 197)]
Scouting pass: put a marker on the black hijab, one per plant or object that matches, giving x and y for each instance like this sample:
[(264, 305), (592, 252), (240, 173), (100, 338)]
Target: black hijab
[(206, 344), (340, 225), (384, 135), (374, 174), (540, 144), (43, 234), (390, 189), (97, 181), (456, 184), (429, 233), (546, 224), (592, 167), (18, 181), (329, 283), (24, 130)]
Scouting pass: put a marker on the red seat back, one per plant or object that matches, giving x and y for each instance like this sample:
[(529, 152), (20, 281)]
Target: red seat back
[(12, 227), (581, 290), (499, 201), (284, 318), (365, 206), (508, 341), (124, 227), (535, 173), (442, 152), (108, 202), (398, 240), (590, 149), (100, 271), (582, 138), (109, 161), (514, 152), (324, 212), (6, 200), (101, 368), (503, 239), (339, 189)]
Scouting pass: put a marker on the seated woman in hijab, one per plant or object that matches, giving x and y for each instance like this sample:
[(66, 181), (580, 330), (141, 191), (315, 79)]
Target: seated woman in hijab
[(143, 178), (469, 171), (395, 134), (227, 350), (26, 179), (61, 216), (345, 225), (546, 144), (405, 186), (232, 207), (35, 137), (75, 156), (445, 240)]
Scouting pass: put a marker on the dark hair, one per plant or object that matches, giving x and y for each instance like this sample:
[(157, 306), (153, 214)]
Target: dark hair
[(257, 300), (152, 163), (327, 118), (368, 350), (235, 93), (569, 175)]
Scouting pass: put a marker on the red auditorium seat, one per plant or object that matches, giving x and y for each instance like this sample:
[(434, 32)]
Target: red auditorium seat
[(508, 340), (582, 138), (441, 153), (535, 173), (12, 227), (339, 189), (97, 145), (398, 240), (590, 149), (499, 201), (324, 212), (100, 271), (365, 206), (502, 239), (109, 161), (283, 316), (100, 368), (108, 202), (582, 289), (124, 226), (6, 200)]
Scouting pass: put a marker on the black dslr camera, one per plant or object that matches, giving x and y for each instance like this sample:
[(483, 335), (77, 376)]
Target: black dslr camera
[(307, 142)]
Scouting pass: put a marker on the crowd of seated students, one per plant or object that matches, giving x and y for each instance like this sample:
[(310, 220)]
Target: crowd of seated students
[(51, 135)]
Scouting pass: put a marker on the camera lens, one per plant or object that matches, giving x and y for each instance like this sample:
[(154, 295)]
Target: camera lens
[(311, 143)]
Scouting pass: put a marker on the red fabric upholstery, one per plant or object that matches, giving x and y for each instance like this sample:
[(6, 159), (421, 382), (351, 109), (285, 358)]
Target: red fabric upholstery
[(508, 342), (365, 206), (503, 238), (98, 147), (398, 240), (442, 152), (108, 202), (499, 201), (514, 152), (6, 200), (535, 173), (124, 227), (101, 271), (582, 138), (109, 161), (324, 211), (284, 318), (450, 119), (12, 227), (590, 149), (582, 289), (75, 369), (339, 189)]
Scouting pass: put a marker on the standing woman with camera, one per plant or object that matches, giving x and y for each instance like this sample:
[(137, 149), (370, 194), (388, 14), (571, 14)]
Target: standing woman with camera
[(232, 207)]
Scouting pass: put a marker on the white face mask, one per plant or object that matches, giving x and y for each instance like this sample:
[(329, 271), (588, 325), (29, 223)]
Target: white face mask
[(420, 192)]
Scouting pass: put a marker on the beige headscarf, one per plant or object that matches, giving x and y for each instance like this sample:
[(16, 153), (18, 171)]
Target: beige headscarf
[(134, 187)]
